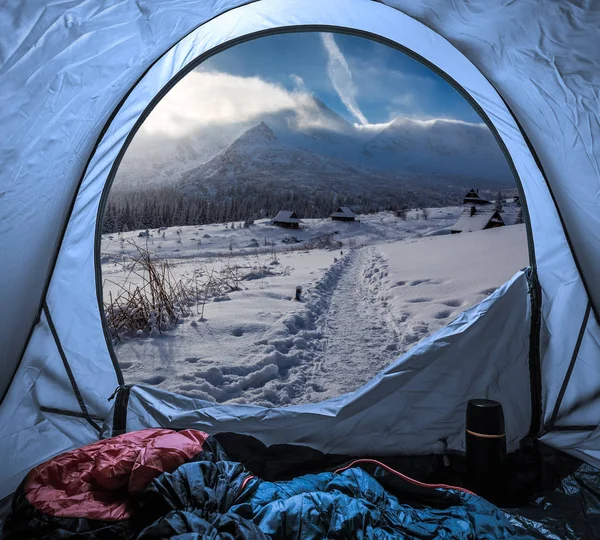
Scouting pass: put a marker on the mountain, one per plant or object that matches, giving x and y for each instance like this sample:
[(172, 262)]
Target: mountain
[(259, 158), (440, 147), (312, 147), (159, 160)]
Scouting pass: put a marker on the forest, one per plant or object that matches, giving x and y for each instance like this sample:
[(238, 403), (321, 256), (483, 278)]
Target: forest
[(167, 207)]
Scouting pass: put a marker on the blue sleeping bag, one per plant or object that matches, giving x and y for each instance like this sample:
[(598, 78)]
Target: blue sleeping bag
[(222, 500)]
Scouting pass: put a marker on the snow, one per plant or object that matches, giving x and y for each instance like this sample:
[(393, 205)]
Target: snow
[(364, 303), (474, 219)]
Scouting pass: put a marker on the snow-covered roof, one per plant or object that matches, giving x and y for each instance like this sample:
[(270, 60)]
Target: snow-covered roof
[(343, 211), (286, 216), (471, 221), (473, 197)]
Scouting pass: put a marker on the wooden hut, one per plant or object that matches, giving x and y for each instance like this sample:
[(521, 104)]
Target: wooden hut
[(286, 219), (343, 213), (477, 219)]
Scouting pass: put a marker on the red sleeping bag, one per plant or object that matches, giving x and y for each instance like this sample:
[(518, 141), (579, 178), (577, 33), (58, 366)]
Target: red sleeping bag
[(98, 483)]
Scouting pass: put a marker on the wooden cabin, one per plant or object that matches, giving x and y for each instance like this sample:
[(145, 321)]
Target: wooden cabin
[(477, 219), (343, 213), (286, 219), (473, 198)]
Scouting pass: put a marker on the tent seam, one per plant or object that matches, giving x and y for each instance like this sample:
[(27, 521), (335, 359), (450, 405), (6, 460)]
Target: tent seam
[(69, 371), (563, 389)]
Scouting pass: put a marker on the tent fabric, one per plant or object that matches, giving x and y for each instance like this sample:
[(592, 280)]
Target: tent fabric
[(74, 81)]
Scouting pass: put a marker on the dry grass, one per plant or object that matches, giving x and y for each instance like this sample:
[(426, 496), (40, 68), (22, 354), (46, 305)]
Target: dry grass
[(152, 299), (152, 302)]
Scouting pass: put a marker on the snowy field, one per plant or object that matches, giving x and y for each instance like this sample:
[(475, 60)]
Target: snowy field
[(365, 301)]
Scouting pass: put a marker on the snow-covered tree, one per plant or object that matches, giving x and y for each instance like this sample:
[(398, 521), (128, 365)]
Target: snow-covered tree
[(499, 203), (519, 218)]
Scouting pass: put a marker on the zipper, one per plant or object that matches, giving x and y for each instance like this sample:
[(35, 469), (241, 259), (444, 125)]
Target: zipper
[(535, 367), (121, 397)]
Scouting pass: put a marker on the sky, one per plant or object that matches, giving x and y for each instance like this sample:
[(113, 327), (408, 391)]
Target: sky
[(367, 83), (385, 82)]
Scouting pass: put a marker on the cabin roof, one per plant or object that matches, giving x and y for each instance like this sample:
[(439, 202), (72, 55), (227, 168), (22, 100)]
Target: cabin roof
[(286, 216), (343, 211), (473, 196), (477, 221)]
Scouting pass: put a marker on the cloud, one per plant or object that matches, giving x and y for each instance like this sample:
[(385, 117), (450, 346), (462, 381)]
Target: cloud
[(430, 121), (372, 128), (205, 99), (341, 77), (299, 83), (202, 99)]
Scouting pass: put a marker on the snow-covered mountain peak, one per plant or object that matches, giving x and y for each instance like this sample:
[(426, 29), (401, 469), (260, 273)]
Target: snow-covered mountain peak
[(257, 135)]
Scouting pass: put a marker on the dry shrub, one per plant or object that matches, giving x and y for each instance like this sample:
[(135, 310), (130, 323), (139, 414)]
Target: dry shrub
[(153, 302)]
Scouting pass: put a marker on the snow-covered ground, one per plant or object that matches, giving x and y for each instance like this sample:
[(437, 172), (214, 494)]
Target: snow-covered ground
[(389, 284)]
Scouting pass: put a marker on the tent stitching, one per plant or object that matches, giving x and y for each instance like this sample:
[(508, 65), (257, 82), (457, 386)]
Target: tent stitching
[(69, 371), (64, 412), (570, 369)]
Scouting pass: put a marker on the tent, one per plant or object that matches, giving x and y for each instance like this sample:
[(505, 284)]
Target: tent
[(78, 78)]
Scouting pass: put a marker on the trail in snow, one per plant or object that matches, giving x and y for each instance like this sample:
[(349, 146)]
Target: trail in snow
[(360, 341), (337, 340)]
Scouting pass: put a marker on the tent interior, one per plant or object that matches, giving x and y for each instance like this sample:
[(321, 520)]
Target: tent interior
[(76, 84)]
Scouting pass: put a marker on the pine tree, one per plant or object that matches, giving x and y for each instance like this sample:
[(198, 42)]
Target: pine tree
[(519, 218), (499, 204)]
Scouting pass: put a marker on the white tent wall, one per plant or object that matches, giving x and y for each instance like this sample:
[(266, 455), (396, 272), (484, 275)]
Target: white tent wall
[(579, 404), (64, 67), (29, 433), (57, 97)]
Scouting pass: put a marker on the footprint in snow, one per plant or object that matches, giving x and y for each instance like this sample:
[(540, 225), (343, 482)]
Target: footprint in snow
[(154, 380)]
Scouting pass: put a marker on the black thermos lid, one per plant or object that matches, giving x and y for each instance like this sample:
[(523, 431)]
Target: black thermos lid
[(485, 416)]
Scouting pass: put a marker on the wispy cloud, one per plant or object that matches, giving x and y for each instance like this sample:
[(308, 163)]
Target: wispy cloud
[(372, 128), (341, 77), (202, 99), (206, 100), (299, 83)]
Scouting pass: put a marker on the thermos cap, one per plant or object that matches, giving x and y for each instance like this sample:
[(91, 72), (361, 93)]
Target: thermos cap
[(485, 417)]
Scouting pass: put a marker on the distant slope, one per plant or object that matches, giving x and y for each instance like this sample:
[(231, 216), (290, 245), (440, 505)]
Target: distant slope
[(260, 160), (442, 147)]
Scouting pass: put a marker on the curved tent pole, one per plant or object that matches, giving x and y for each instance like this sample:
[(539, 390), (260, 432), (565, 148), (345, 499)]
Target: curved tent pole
[(534, 353)]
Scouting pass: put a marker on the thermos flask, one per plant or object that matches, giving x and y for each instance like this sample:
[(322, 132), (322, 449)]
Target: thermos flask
[(486, 448)]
